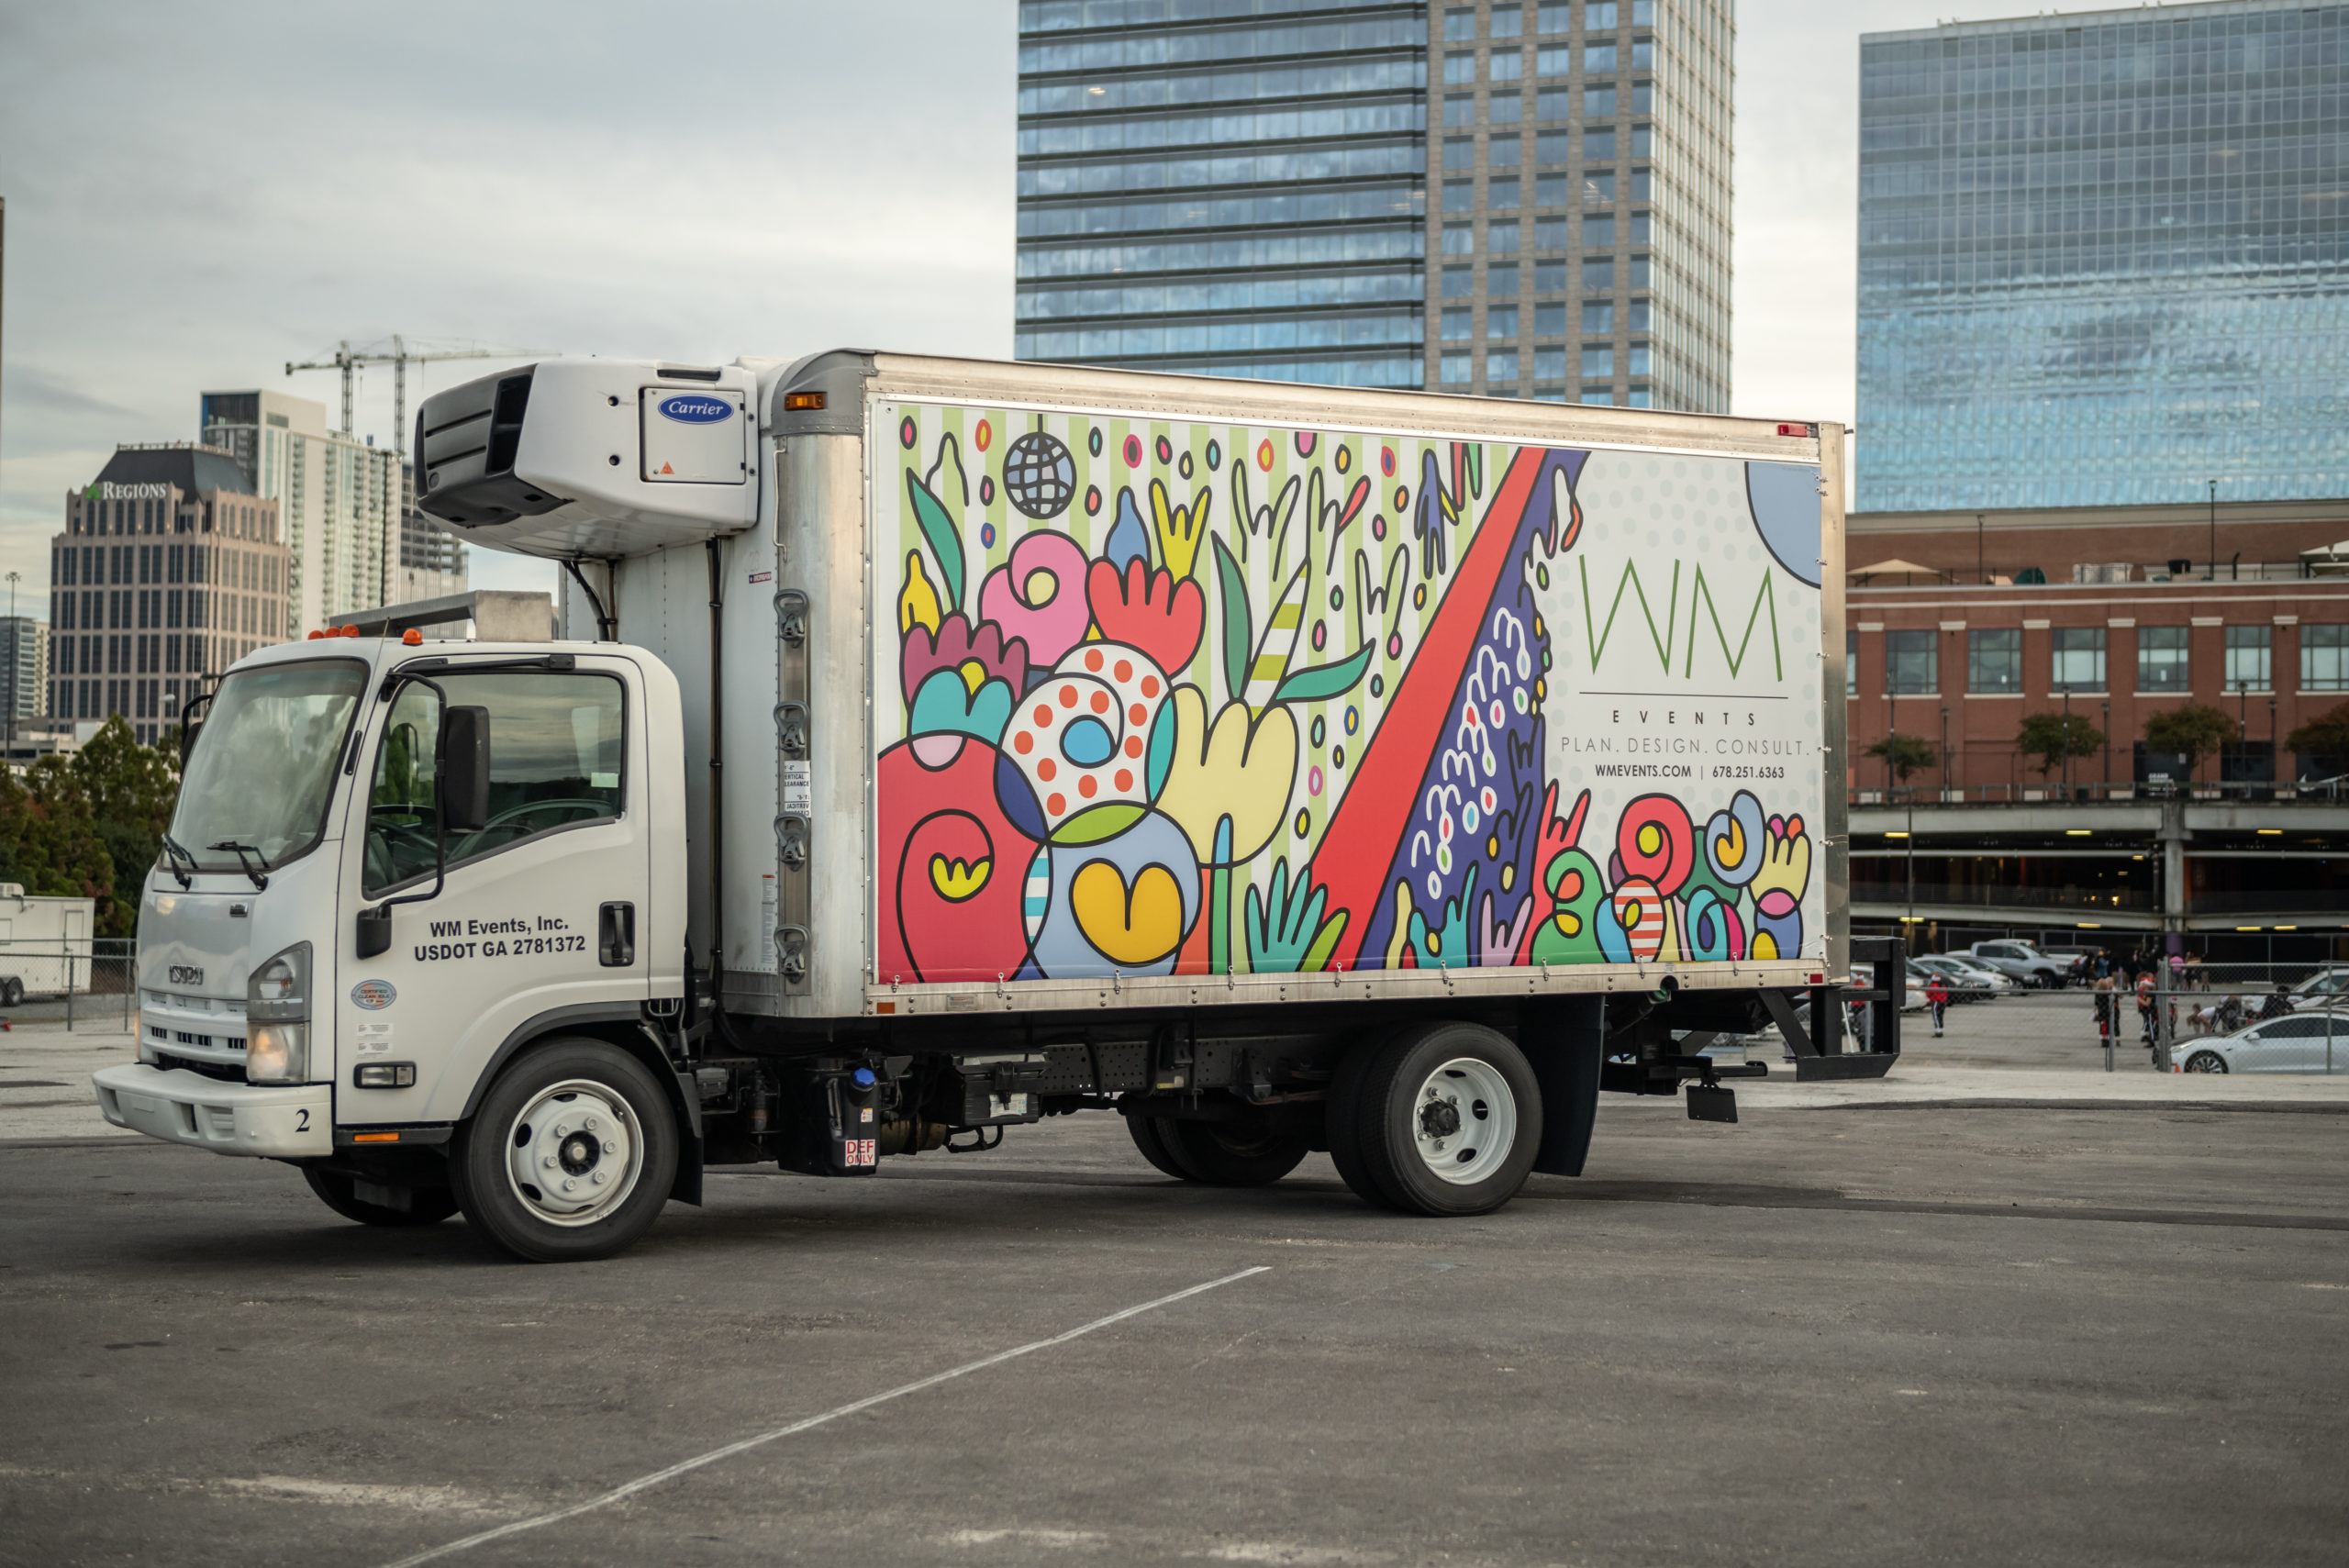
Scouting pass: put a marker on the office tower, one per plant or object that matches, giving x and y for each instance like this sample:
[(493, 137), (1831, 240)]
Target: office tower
[(2104, 259), (24, 658), (339, 498), (171, 566), (1581, 232), (431, 560), (1206, 187), (1224, 189)]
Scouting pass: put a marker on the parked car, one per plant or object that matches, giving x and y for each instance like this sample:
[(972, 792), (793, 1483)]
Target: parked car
[(2021, 960), (1965, 982), (2326, 987), (2080, 963), (1999, 985), (2298, 1042)]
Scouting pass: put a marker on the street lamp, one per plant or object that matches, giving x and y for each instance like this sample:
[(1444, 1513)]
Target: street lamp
[(2108, 748), (1945, 751)]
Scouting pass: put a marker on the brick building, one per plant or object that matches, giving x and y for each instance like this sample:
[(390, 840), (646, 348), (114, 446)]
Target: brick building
[(170, 568)]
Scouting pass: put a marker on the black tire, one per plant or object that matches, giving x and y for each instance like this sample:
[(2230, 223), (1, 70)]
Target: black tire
[(426, 1206), (1406, 1086), (2206, 1062), (1342, 1117), (1221, 1154), (12, 991), (550, 1084), (1148, 1133)]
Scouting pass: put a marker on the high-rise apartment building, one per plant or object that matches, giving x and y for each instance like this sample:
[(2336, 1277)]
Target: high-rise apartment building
[(430, 563), (1516, 199), (2104, 259), (1581, 235), (339, 499), (24, 669), (171, 567), (1226, 188)]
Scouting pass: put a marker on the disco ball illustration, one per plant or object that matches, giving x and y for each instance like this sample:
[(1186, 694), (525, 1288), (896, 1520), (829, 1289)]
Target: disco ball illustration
[(1038, 476)]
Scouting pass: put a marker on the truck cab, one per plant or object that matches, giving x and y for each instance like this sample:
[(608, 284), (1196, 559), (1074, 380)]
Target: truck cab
[(392, 862)]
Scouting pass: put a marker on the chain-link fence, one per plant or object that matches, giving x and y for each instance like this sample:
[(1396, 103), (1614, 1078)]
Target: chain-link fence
[(2192, 1016), (84, 982)]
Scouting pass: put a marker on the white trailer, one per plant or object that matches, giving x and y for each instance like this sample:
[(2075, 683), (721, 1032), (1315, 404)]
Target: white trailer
[(44, 944), (941, 745)]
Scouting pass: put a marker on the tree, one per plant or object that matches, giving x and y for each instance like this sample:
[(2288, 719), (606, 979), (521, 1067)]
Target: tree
[(131, 791), (49, 840), (2055, 740), (1907, 753), (2194, 732), (2325, 739)]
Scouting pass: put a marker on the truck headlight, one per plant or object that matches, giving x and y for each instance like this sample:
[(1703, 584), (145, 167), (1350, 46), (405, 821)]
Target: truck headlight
[(277, 1019), (277, 1053)]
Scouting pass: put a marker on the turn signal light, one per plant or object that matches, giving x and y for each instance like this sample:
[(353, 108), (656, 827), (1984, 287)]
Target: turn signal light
[(374, 1138), (386, 1076), (316, 634), (802, 402)]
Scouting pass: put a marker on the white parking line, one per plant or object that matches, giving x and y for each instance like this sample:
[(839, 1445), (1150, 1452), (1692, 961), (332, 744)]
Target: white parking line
[(629, 1489)]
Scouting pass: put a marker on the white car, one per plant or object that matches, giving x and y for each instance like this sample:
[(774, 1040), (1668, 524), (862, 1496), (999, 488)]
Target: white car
[(1979, 976), (2324, 989), (2298, 1043)]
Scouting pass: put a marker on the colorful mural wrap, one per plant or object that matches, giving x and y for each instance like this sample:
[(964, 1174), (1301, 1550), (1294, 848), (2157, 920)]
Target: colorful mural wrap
[(1181, 698)]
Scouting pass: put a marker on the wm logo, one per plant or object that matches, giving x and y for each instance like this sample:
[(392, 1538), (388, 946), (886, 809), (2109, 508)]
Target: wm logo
[(1664, 643)]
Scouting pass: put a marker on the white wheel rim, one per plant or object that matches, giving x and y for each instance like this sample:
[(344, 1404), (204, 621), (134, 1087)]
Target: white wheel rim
[(1463, 1120), (574, 1153)]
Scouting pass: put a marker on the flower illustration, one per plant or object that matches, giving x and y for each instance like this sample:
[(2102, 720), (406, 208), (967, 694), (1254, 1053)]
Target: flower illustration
[(1148, 610), (979, 654), (1239, 771)]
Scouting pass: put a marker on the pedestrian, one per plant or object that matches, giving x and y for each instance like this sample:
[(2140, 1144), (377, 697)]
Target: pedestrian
[(2146, 1004), (1937, 998)]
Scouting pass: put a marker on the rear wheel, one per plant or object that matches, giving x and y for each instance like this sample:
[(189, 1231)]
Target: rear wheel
[(1225, 1155), (2206, 1062), (570, 1156), (12, 991), (1148, 1133), (426, 1206), (1443, 1119)]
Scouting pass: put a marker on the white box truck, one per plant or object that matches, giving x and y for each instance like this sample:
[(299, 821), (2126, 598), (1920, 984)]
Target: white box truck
[(941, 745), (44, 944)]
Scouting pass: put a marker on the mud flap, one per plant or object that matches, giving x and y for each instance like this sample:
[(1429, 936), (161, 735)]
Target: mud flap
[(1564, 1038)]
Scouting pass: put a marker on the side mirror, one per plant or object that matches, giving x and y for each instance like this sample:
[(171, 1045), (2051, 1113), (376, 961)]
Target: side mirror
[(375, 931), (187, 744), (465, 769)]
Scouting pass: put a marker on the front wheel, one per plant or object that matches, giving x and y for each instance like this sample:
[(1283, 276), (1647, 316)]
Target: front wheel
[(12, 991), (1442, 1120), (570, 1156), (2206, 1062), (1225, 1155), (426, 1206)]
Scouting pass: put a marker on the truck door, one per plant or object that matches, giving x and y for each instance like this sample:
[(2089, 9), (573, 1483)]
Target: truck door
[(540, 906)]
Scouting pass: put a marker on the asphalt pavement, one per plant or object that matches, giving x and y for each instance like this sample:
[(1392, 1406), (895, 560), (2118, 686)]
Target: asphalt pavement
[(1842, 1331)]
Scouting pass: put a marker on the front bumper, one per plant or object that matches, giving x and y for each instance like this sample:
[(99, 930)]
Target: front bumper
[(265, 1121)]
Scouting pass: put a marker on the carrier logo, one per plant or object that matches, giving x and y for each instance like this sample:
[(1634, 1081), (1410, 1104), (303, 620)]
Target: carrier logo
[(695, 408), (186, 974), (374, 996)]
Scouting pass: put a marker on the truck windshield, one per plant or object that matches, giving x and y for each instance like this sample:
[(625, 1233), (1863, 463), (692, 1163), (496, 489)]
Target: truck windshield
[(263, 764)]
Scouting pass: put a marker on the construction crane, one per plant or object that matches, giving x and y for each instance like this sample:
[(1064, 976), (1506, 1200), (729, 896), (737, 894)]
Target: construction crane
[(398, 353)]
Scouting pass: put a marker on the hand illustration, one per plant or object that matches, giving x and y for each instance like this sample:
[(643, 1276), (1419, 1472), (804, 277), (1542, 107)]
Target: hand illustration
[(1285, 932), (1786, 859)]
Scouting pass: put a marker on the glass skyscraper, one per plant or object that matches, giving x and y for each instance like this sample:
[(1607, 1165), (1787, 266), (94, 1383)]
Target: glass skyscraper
[(2104, 259), (1243, 187), (1236, 188)]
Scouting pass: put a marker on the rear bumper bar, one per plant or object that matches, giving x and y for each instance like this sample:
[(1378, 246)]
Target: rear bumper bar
[(265, 1122)]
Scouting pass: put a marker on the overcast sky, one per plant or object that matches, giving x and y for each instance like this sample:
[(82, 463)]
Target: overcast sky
[(197, 194)]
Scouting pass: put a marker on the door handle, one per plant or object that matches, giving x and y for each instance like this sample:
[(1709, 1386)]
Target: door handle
[(616, 936)]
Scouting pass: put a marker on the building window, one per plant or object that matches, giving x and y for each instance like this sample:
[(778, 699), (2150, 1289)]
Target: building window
[(1638, 397), (1508, 65), (1635, 315), (1638, 275), (1850, 664), (1501, 367), (1643, 97), (1549, 233), (1506, 108), (1598, 275), (1460, 69), (1598, 233), (1638, 361), (1459, 283), (1599, 17), (1598, 318), (1553, 189), (1502, 237), (1550, 277), (1505, 153), (2161, 659), (2324, 658), (1455, 326), (1599, 362), (1642, 184), (1458, 153), (1643, 53), (1643, 141), (1598, 147), (1499, 194), (1556, 15), (2247, 650), (1459, 109), (2078, 657), (1459, 195), (1508, 21), (1456, 370), (1598, 57), (1557, 61), (1912, 663), (1994, 660), (1550, 364), (1459, 240), (1554, 105), (1549, 146), (1500, 283), (1501, 322), (1597, 103), (1598, 396), (1549, 320)]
